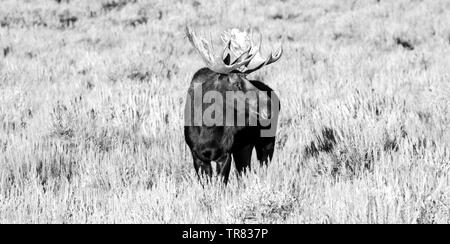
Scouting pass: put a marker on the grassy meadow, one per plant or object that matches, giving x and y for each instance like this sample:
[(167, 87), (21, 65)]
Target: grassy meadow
[(92, 96)]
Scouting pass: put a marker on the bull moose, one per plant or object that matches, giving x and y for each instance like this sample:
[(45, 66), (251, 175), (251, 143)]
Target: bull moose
[(235, 130)]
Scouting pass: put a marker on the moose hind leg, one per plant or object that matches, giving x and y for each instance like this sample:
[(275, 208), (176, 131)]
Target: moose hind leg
[(242, 159), (264, 149)]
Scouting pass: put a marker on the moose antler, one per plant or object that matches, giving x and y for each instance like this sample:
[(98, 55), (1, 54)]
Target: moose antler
[(259, 62), (236, 44), (215, 62)]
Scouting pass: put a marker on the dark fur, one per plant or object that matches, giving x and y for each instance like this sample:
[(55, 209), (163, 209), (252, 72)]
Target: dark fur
[(221, 143)]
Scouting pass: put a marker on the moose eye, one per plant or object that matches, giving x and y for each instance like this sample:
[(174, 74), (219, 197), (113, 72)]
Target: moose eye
[(237, 85)]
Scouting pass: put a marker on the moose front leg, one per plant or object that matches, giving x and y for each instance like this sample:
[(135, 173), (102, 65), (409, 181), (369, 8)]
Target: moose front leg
[(202, 168), (223, 167)]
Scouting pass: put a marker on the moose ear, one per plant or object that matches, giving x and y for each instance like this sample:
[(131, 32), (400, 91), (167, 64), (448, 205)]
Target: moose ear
[(227, 59)]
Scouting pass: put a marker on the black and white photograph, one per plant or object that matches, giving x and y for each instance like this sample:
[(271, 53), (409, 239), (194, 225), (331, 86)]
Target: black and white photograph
[(242, 113)]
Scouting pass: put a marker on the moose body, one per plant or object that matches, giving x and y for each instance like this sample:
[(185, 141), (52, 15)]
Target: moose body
[(222, 143), (235, 130)]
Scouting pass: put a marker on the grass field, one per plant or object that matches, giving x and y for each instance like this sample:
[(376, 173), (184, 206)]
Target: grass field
[(92, 96)]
